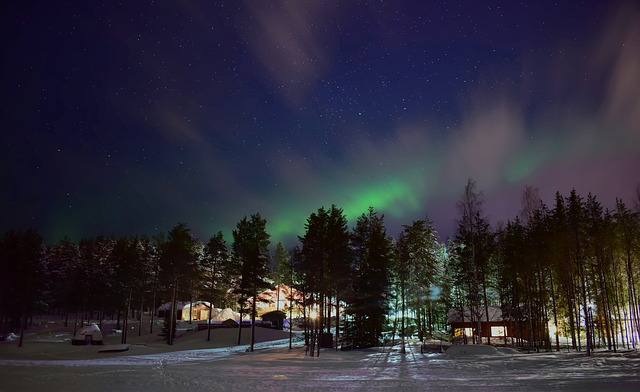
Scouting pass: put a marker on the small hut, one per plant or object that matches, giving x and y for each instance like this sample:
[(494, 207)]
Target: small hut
[(198, 310), (164, 308), (229, 323), (276, 318), (89, 334), (466, 321)]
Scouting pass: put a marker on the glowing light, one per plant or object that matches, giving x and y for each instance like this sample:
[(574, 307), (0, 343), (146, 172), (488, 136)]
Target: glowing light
[(396, 197), (499, 331), (434, 292)]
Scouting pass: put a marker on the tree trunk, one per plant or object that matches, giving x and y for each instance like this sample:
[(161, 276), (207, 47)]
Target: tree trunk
[(290, 317), (75, 324), (140, 313), (570, 310), (430, 319), (306, 321), (587, 323), (555, 312), (486, 306), (172, 319), (320, 325), (633, 318), (125, 326), (153, 311), (253, 318), (395, 321), (402, 324), (210, 308), (23, 326), (240, 321), (337, 319), (126, 319)]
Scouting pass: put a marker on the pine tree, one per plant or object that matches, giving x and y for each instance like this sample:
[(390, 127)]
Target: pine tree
[(369, 296), (627, 229), (218, 267), (250, 247), (62, 259), (474, 245), (179, 265), (22, 256), (281, 271), (576, 217), (416, 262), (169, 327), (326, 265)]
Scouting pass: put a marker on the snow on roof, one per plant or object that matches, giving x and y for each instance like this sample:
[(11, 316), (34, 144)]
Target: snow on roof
[(194, 304), (166, 306), (458, 315)]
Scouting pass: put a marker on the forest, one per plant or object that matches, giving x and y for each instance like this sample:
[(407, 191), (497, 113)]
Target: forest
[(568, 270)]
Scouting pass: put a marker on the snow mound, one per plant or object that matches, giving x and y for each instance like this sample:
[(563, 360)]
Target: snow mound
[(462, 350), (508, 350), (12, 336), (225, 314)]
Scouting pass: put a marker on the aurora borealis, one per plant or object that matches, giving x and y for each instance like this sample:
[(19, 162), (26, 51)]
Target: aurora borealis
[(129, 118)]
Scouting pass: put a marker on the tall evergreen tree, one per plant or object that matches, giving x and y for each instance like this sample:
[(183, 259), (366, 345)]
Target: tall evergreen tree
[(96, 253), (281, 267), (144, 256), (22, 256), (563, 271), (340, 262), (218, 268), (416, 262), (474, 242), (576, 216), (538, 247), (179, 265), (314, 269), (326, 261), (250, 247), (627, 228), (62, 259), (369, 296)]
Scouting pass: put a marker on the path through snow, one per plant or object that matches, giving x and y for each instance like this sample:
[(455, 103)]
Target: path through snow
[(275, 368)]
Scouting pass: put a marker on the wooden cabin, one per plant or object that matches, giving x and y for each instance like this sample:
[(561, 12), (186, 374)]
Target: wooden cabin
[(465, 322)]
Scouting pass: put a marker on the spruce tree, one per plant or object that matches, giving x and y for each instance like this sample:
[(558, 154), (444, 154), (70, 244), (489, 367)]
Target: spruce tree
[(217, 265), (369, 296), (326, 264), (250, 247), (179, 265)]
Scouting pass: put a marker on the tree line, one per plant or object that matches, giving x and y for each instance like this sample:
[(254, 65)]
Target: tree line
[(570, 270)]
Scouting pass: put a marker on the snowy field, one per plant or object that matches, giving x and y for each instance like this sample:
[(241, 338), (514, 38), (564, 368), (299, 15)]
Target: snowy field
[(273, 367)]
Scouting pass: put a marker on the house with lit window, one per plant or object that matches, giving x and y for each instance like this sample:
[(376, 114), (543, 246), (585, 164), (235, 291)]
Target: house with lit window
[(278, 298), (465, 321)]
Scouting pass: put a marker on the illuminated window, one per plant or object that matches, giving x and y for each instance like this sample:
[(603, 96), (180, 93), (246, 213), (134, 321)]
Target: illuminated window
[(498, 331), (468, 331)]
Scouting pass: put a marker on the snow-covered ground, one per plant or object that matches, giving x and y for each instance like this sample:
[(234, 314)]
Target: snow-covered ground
[(273, 367)]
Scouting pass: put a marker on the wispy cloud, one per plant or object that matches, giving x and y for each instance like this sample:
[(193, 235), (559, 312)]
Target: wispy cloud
[(288, 42)]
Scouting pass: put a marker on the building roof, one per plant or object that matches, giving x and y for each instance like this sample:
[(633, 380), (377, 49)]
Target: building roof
[(458, 315), (167, 306)]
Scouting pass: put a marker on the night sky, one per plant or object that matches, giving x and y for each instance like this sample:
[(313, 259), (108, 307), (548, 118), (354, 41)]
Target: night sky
[(130, 117)]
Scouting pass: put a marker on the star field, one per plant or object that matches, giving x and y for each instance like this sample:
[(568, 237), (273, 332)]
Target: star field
[(127, 118)]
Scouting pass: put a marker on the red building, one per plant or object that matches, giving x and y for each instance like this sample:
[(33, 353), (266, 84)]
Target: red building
[(465, 322)]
